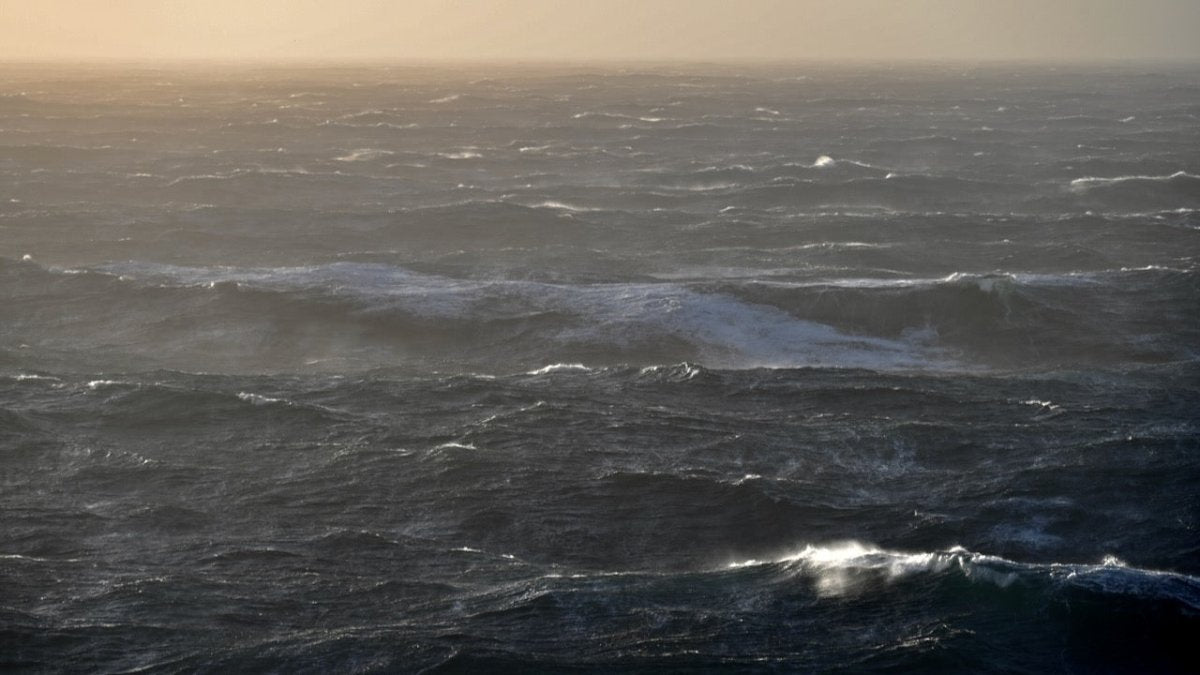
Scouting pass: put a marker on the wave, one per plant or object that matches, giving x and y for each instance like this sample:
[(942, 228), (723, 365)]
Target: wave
[(259, 399), (1174, 192), (847, 166), (364, 155), (1081, 317), (985, 282), (861, 186), (562, 206), (247, 172), (824, 173), (844, 568), (727, 330), (461, 154), (1181, 178), (954, 609), (362, 309), (164, 397), (357, 315), (495, 222), (559, 368), (33, 377), (620, 116), (370, 125)]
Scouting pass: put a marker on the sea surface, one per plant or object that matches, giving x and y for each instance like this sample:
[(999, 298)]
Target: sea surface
[(705, 368)]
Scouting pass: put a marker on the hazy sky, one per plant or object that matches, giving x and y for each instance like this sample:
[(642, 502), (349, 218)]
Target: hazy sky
[(599, 29)]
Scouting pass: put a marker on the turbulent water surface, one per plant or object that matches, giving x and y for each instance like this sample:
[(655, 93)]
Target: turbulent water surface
[(594, 369)]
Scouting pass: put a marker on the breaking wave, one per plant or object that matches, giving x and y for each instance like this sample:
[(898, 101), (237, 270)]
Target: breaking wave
[(848, 567)]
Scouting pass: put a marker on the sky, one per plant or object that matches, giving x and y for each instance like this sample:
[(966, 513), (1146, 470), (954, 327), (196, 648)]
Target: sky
[(585, 30)]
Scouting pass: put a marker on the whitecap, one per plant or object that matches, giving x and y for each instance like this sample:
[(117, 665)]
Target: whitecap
[(455, 445), (463, 154), (685, 370), (1048, 405), (849, 567), (1090, 182), (561, 206), (638, 118), (29, 377), (364, 155), (560, 368), (258, 399)]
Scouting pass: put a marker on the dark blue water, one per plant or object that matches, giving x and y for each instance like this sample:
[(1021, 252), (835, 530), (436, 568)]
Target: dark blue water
[(767, 369)]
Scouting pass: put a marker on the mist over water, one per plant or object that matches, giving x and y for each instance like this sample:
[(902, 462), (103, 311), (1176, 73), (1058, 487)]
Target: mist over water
[(525, 369)]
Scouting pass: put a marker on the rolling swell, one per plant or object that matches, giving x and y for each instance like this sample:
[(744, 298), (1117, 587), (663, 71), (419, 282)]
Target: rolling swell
[(373, 314), (1178, 190), (1008, 319), (355, 309)]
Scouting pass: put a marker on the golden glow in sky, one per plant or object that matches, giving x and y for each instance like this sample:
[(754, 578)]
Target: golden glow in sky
[(599, 29)]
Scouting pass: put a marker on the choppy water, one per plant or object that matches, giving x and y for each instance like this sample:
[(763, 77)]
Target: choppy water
[(587, 369)]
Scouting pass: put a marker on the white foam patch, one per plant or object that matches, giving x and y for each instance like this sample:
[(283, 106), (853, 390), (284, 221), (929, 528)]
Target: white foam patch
[(735, 334), (728, 332)]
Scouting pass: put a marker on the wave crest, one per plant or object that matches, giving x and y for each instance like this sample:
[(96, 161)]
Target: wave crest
[(848, 567)]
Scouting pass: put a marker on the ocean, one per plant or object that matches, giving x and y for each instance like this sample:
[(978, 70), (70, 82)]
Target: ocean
[(599, 368)]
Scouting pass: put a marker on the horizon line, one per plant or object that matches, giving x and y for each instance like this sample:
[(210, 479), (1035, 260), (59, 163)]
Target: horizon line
[(593, 61)]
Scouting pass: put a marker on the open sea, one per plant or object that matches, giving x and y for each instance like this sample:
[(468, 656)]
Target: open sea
[(574, 369)]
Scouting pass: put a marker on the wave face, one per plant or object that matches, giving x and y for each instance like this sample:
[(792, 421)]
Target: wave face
[(551, 370)]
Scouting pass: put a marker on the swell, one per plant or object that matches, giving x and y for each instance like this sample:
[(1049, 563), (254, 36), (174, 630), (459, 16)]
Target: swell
[(378, 314), (893, 191), (944, 609), (1011, 319), (1091, 616), (365, 315), (1177, 190)]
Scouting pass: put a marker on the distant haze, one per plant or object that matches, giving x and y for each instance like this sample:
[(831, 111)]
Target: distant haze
[(599, 29)]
